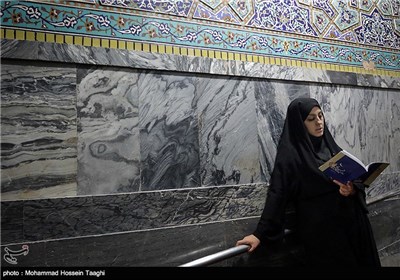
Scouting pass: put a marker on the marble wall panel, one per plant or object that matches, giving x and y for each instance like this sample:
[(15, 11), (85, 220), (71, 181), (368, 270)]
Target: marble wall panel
[(38, 130), (354, 117), (168, 131), (228, 131), (273, 98), (108, 132), (91, 215), (393, 114), (365, 122)]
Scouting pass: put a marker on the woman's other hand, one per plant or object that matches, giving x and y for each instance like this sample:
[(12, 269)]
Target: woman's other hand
[(345, 189)]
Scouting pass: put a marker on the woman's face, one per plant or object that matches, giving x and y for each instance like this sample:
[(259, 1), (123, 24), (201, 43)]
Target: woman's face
[(315, 122)]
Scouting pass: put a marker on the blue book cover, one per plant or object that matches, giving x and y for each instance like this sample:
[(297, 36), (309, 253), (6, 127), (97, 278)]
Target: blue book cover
[(345, 167)]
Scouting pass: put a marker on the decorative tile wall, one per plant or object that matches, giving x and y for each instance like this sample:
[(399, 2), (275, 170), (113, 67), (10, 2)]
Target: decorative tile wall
[(339, 34)]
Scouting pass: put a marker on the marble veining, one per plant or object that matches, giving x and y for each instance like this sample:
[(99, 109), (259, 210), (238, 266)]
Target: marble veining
[(38, 130), (159, 130), (316, 75), (71, 53), (393, 117), (108, 132), (386, 184), (169, 132), (228, 131), (356, 121), (156, 248), (373, 81), (19, 49), (91, 215), (273, 98), (341, 78), (158, 61), (161, 247), (364, 121), (270, 71)]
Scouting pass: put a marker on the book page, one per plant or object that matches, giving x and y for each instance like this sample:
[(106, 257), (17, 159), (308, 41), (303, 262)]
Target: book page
[(355, 159)]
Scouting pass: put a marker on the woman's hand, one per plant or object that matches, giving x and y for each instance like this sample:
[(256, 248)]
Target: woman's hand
[(250, 240), (345, 189)]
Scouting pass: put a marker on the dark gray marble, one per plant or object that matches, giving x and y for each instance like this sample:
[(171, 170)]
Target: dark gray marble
[(108, 132), (12, 221), (343, 78), (90, 215), (168, 247), (179, 245), (376, 81), (390, 256), (169, 145), (38, 130), (228, 131), (163, 247), (385, 220), (19, 49)]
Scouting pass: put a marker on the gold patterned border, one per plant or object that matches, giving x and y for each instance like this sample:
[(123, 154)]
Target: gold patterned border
[(169, 49)]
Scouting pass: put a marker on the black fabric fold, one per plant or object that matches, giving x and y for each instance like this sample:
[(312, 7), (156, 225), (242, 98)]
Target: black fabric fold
[(320, 209)]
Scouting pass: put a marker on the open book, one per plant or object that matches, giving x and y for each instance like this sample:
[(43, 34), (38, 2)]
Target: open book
[(346, 167)]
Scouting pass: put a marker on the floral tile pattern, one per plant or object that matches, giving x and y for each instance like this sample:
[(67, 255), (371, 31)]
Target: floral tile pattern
[(337, 31)]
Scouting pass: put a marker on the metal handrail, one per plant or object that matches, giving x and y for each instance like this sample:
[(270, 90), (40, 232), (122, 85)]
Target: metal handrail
[(213, 258), (223, 255)]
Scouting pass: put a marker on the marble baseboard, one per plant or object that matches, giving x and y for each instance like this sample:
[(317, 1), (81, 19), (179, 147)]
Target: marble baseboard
[(163, 247), (390, 256), (386, 185), (43, 219), (166, 247), (385, 220)]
